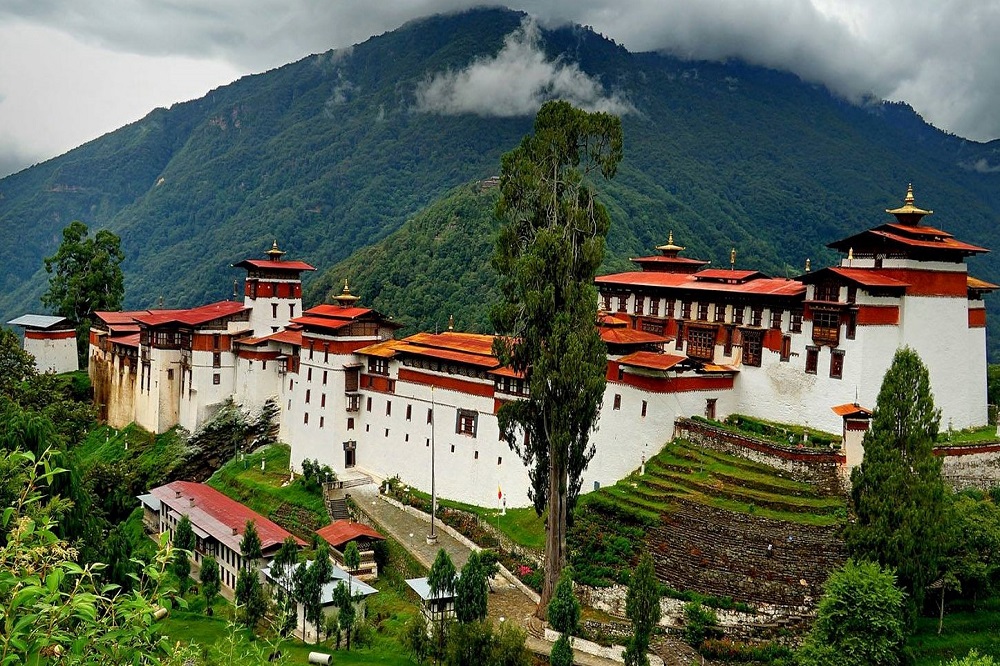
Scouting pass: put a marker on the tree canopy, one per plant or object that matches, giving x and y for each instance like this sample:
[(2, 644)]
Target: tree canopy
[(547, 255), (898, 494), (642, 607)]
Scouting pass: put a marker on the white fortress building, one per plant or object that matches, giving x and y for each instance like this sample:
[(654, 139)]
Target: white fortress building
[(682, 340)]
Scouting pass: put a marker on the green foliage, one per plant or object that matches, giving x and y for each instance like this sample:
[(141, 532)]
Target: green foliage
[(211, 581), (642, 607), (563, 611), (859, 620), (52, 609), (85, 276), (415, 638), (16, 365), (352, 557), (251, 600), (471, 591), (184, 541), (314, 475), (897, 490), (346, 611), (547, 255), (973, 658), (250, 547), (780, 433), (562, 652), (700, 623), (441, 578)]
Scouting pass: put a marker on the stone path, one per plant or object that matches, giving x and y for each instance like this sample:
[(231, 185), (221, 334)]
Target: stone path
[(506, 602)]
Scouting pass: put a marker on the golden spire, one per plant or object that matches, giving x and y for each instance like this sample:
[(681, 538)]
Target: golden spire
[(808, 265), (274, 253), (908, 213), (346, 298), (670, 249), (451, 322), (732, 259), (850, 256)]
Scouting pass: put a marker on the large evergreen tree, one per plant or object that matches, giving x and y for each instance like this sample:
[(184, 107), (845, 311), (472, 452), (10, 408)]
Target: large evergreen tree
[(547, 255), (211, 582), (471, 592), (184, 541), (86, 276), (642, 607), (898, 494), (250, 546)]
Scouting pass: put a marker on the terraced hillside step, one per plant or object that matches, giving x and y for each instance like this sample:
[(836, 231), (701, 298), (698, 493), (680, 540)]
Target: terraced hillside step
[(768, 479), (730, 490)]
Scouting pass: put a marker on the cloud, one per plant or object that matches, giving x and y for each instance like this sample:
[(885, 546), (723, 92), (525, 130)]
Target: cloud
[(515, 83)]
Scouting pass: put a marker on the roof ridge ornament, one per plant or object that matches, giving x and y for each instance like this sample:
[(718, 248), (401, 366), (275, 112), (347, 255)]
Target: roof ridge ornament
[(346, 298), (908, 214), (670, 249), (275, 254)]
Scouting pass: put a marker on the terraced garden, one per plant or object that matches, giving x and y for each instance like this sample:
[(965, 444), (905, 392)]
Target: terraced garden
[(726, 482), (718, 525)]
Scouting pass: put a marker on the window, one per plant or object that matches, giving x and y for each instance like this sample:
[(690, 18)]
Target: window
[(388, 408), (643, 409), (640, 305), (321, 419), (837, 363), (852, 326), (350, 423), (216, 360), (309, 375), (387, 433), (351, 376), (618, 401), (786, 347), (776, 316), (752, 347), (499, 460), (216, 341), (852, 293), (308, 393), (622, 303), (368, 404), (796, 324), (379, 366), (756, 315), (652, 326), (216, 378), (430, 416), (310, 350), (701, 342), (686, 310), (654, 307), (727, 349), (827, 291), (669, 310), (291, 309), (720, 313), (703, 311), (738, 313), (322, 400), (324, 377), (305, 418), (607, 301), (680, 335), (476, 456), (826, 326), (170, 374), (274, 310), (326, 352), (409, 412), (353, 403), (812, 359), (466, 421)]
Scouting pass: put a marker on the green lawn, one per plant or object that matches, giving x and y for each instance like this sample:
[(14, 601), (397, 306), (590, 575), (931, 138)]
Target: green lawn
[(291, 506), (962, 631), (972, 436)]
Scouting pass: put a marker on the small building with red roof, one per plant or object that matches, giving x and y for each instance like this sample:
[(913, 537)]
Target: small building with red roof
[(218, 522), (339, 533)]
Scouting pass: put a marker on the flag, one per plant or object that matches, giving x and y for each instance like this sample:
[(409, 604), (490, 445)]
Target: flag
[(499, 493)]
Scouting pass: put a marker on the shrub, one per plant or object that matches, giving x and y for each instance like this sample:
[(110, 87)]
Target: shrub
[(700, 623)]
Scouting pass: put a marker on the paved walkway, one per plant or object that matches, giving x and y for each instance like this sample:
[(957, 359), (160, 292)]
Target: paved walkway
[(506, 602)]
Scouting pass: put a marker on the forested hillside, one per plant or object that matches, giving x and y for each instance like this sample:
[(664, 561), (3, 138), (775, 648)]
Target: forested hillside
[(332, 154)]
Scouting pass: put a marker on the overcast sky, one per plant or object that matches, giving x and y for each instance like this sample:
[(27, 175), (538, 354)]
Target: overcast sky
[(72, 70)]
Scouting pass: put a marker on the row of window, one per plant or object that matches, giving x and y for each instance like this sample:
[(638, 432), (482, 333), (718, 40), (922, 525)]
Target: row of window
[(720, 313)]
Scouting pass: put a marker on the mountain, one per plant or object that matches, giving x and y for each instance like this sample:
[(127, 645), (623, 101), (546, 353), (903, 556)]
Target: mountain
[(333, 153)]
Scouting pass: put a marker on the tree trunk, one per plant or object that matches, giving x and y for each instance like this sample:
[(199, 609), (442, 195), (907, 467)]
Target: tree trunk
[(941, 612), (555, 532)]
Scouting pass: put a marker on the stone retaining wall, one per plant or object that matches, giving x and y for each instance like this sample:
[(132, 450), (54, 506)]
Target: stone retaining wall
[(970, 466), (818, 467)]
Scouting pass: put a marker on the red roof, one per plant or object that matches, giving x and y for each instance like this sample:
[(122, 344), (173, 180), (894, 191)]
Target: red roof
[(630, 336), (291, 266), (449, 355), (130, 340), (851, 409), (341, 532), (218, 515), (337, 311), (866, 277), (474, 343), (761, 286), (608, 319), (322, 322), (290, 337), (726, 274), (193, 316), (507, 371), (906, 236), (651, 360)]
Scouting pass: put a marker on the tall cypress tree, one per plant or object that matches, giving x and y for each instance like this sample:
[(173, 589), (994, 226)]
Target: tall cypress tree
[(547, 255), (898, 494)]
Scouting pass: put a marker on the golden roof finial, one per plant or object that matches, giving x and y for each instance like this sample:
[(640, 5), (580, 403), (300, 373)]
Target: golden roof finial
[(346, 298), (732, 259), (451, 322), (274, 253), (670, 249), (808, 265), (908, 213), (850, 256)]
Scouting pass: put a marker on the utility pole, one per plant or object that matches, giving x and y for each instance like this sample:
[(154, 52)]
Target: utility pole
[(432, 537)]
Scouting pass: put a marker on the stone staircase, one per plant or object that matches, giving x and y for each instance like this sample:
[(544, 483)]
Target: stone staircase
[(337, 507)]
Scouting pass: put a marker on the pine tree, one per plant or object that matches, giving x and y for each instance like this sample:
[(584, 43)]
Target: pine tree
[(250, 546), (352, 560), (471, 592), (563, 613), (898, 494), (184, 542), (441, 580), (250, 598), (211, 582), (642, 607), (547, 256)]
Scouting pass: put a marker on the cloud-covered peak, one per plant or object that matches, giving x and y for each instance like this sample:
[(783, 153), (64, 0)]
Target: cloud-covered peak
[(515, 83)]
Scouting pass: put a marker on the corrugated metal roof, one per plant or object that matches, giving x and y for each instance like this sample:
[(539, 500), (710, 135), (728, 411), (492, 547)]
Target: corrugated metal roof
[(386, 349), (357, 586), (339, 532), (39, 321)]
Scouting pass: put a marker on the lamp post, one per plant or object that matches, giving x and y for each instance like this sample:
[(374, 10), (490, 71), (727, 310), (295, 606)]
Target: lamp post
[(432, 537)]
